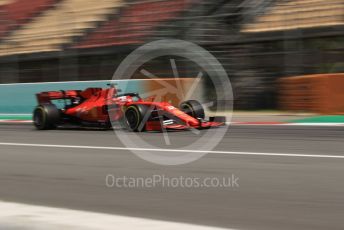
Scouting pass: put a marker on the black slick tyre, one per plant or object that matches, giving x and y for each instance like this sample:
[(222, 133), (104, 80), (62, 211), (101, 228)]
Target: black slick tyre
[(46, 117), (193, 108), (135, 117)]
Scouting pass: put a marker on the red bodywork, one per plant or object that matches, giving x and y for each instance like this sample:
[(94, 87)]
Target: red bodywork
[(102, 106)]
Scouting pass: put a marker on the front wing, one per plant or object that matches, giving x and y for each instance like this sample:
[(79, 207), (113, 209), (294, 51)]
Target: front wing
[(172, 125)]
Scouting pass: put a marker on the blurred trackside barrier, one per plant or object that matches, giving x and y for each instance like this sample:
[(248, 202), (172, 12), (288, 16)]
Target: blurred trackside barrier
[(320, 93), (20, 98)]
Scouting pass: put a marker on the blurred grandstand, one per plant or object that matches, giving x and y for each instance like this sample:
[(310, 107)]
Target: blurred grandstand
[(257, 41)]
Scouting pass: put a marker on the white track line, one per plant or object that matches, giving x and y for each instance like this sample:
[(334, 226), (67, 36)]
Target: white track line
[(173, 150), (22, 216)]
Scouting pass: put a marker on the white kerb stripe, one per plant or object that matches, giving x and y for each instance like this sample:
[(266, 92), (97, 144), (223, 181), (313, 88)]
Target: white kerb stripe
[(22, 216)]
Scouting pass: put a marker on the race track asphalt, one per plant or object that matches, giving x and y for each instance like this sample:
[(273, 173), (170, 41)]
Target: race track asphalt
[(275, 192)]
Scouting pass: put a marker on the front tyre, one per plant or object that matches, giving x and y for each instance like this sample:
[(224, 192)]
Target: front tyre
[(193, 108), (46, 117), (136, 117)]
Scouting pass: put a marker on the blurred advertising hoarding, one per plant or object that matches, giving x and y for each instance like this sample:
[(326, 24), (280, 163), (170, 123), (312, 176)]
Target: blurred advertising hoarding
[(320, 93)]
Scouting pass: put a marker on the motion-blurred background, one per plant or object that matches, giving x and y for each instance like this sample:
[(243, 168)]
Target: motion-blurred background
[(257, 41)]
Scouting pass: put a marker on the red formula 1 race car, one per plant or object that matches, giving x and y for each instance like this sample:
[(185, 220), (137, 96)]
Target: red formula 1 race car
[(97, 107)]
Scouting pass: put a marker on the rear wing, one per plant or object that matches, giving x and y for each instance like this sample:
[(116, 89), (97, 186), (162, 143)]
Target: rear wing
[(46, 97)]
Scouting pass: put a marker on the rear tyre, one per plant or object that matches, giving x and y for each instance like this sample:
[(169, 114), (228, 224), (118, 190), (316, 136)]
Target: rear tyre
[(46, 117), (135, 117), (193, 108)]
